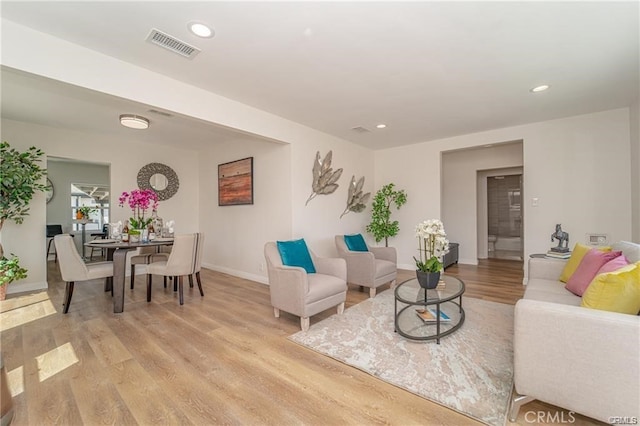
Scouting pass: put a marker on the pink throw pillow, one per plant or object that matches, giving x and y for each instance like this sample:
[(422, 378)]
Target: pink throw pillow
[(613, 265), (587, 270)]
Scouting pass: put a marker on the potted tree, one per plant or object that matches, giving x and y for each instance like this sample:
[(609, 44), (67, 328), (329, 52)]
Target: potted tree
[(381, 225), (21, 178)]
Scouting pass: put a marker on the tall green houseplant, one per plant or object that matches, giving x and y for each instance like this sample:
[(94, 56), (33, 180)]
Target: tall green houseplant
[(381, 226), (20, 176)]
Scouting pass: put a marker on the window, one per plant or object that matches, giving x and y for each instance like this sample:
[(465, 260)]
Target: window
[(95, 196)]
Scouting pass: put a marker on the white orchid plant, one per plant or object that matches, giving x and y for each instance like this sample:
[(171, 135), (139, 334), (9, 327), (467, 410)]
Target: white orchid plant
[(432, 245)]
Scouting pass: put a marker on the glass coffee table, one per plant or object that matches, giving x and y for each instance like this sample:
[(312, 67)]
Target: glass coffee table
[(422, 314)]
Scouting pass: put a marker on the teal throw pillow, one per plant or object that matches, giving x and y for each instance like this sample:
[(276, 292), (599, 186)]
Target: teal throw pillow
[(355, 242), (296, 253)]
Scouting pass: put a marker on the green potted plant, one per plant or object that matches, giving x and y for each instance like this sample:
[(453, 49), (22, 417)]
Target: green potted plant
[(21, 177), (381, 225), (84, 212), (10, 270)]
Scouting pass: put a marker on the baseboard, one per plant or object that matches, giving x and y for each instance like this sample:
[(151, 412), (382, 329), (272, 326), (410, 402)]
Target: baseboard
[(240, 274), (27, 287)]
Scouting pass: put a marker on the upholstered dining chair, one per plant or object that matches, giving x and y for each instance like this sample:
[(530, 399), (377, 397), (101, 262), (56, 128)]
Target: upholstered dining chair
[(295, 290), (367, 266), (52, 231), (197, 261), (145, 256), (73, 268), (179, 264)]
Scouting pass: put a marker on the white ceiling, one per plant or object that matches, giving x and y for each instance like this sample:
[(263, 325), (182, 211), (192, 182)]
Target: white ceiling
[(428, 70)]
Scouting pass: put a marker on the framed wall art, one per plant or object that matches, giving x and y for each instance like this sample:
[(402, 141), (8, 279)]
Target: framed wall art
[(235, 182)]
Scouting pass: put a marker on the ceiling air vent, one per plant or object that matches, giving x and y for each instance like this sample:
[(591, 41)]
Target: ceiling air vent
[(171, 43), (360, 129)]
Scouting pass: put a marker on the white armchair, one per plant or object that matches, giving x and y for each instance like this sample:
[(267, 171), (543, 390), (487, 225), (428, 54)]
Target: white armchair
[(295, 291), (372, 268)]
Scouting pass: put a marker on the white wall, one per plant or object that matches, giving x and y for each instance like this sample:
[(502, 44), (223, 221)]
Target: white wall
[(634, 125), (319, 221), (459, 191), (235, 235), (282, 183), (182, 207), (577, 167)]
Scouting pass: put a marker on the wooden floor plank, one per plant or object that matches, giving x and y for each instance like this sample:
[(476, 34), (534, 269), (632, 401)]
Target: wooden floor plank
[(219, 359)]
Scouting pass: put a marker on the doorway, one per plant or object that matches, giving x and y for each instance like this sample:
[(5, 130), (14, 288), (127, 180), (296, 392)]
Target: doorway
[(504, 217)]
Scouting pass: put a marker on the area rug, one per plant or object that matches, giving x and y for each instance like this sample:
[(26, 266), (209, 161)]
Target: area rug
[(470, 371)]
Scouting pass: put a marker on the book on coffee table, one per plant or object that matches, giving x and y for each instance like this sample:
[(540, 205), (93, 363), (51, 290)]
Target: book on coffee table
[(429, 315)]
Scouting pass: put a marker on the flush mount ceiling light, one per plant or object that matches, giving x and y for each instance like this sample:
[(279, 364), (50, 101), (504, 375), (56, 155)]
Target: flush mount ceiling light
[(541, 88), (381, 126), (200, 29), (133, 121)]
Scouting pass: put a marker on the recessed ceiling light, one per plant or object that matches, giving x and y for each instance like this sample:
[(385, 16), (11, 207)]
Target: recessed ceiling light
[(381, 126), (200, 29), (541, 88), (133, 121)]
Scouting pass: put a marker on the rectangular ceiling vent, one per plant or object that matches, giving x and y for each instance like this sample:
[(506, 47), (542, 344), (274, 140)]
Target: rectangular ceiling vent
[(171, 43), (360, 129)]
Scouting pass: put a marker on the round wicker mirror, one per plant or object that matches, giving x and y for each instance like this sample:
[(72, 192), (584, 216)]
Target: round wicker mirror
[(166, 185)]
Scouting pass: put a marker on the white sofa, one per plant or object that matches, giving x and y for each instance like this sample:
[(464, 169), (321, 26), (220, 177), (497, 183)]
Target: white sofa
[(580, 359)]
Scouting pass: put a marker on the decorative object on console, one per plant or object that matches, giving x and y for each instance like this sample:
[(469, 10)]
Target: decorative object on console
[(235, 182), (432, 246), (563, 240), (381, 225), (356, 200), (159, 178), (324, 178), (139, 200)]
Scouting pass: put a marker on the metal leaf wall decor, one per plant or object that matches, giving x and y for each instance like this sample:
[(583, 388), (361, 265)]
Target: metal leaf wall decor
[(356, 200), (324, 178)]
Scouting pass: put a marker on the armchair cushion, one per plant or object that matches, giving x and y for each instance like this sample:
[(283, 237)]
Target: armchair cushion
[(355, 242), (323, 286), (296, 253)]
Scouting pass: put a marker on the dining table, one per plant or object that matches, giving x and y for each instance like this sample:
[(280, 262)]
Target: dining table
[(117, 252)]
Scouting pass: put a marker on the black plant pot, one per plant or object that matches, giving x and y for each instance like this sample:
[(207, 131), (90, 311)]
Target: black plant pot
[(428, 280)]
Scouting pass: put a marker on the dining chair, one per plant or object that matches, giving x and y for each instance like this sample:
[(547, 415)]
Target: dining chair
[(367, 266), (99, 236), (197, 261), (145, 256), (73, 268), (179, 264), (52, 231)]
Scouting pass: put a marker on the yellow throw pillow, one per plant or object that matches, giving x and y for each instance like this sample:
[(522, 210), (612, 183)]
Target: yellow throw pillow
[(617, 291), (579, 250)]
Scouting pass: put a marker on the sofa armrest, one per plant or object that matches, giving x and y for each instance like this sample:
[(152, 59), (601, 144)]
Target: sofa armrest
[(580, 359), (331, 266), (546, 269), (385, 253)]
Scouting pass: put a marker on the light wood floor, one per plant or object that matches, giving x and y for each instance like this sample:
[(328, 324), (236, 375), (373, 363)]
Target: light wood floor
[(221, 359)]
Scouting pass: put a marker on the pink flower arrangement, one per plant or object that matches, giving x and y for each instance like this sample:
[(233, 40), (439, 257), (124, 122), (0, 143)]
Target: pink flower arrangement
[(139, 200)]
